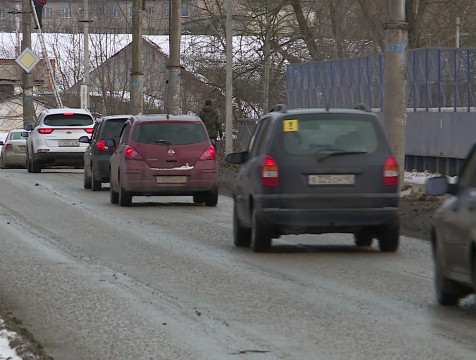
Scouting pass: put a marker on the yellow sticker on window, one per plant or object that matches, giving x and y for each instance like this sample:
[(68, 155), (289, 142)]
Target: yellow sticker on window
[(290, 125)]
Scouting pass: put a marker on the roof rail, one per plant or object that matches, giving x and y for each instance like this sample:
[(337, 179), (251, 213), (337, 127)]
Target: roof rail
[(361, 106), (278, 108)]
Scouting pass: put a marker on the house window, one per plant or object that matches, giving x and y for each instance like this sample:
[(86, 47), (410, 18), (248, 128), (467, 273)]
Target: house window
[(6, 91), (48, 13), (186, 11), (66, 13), (150, 10), (2, 13), (116, 12), (129, 12)]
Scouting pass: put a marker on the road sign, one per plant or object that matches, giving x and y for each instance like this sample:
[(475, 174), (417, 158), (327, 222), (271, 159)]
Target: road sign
[(27, 60)]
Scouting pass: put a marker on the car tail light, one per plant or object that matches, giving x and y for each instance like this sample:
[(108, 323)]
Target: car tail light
[(8, 147), (390, 171), (101, 145), (45, 131), (89, 130), (270, 172), (209, 154), (131, 153)]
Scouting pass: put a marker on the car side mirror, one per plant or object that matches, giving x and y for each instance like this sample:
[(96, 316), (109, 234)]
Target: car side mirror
[(1, 142), (84, 139), (437, 186), (237, 158), (29, 127), (111, 145)]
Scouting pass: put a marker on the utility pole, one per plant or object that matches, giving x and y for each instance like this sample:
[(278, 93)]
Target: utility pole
[(267, 60), (229, 78), (395, 80), (85, 103), (27, 78), (137, 75), (173, 90)]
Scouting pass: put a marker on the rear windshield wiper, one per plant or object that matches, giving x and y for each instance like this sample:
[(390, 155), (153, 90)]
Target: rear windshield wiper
[(323, 154), (161, 141)]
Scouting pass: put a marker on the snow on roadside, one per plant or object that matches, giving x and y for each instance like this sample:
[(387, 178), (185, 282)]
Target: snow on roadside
[(6, 352)]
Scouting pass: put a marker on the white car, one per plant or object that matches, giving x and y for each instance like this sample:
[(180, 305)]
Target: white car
[(13, 151), (54, 139)]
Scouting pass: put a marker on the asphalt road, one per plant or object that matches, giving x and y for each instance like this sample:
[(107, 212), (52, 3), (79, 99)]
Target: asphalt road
[(162, 280)]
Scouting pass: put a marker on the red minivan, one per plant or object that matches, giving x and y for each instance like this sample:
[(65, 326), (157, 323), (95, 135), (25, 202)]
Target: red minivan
[(163, 154)]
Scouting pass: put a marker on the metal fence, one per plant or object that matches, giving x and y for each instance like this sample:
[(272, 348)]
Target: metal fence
[(438, 79)]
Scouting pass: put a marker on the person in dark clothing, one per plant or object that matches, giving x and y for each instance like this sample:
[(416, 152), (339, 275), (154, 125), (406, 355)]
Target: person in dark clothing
[(210, 118), (39, 11)]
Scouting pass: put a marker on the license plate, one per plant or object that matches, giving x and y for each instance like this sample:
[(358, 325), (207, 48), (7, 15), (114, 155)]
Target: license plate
[(334, 179), (170, 179), (68, 143)]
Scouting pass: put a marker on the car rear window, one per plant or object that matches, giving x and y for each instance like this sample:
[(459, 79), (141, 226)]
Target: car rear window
[(112, 128), (16, 136), (68, 120), (169, 133), (308, 135)]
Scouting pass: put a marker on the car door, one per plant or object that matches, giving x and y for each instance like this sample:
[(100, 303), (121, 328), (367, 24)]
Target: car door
[(248, 183), (457, 222)]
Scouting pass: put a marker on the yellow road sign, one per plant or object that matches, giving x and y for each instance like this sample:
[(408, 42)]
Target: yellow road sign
[(27, 60)]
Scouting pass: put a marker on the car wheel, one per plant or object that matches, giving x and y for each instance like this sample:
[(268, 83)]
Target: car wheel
[(87, 180), (363, 238), (389, 237), (113, 195), (260, 235), (241, 235), (446, 290), (125, 198), (35, 166), (3, 165), (95, 184), (198, 198), (28, 162), (211, 198)]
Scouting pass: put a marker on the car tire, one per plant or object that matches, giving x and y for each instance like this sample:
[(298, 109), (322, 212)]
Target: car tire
[(28, 162), (113, 195), (3, 166), (211, 198), (389, 237), (199, 198), (241, 235), (87, 180), (95, 184), (35, 166), (363, 238), (260, 235), (446, 290), (125, 197)]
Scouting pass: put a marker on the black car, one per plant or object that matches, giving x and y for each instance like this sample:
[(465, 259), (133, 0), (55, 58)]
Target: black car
[(97, 155), (453, 235), (316, 171)]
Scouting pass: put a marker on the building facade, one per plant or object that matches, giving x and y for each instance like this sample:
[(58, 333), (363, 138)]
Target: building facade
[(106, 16)]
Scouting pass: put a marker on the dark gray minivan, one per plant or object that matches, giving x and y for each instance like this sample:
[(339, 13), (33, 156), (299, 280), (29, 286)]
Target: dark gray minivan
[(316, 171)]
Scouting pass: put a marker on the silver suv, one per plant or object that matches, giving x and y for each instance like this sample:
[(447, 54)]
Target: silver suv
[(54, 139)]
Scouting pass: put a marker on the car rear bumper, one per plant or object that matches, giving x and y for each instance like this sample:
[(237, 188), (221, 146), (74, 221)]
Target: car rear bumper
[(101, 167), (12, 158), (146, 184), (60, 158), (325, 213)]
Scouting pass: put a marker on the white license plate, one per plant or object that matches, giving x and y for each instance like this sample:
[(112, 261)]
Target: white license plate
[(170, 179), (334, 179), (68, 143)]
